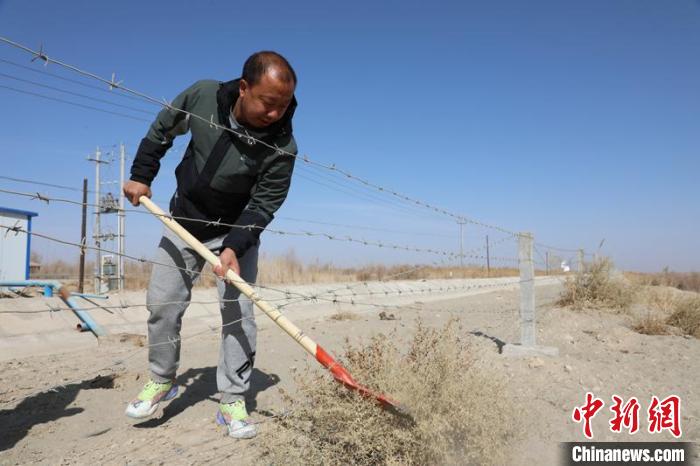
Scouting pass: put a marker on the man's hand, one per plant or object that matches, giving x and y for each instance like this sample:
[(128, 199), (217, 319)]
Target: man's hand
[(228, 261), (133, 190)]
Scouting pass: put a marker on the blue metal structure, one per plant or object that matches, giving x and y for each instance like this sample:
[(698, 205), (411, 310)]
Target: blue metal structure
[(52, 286), (28, 215)]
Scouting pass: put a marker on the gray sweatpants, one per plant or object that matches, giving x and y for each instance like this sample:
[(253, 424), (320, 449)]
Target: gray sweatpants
[(169, 293)]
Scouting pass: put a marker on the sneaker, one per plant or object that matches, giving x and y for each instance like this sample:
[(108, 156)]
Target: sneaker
[(235, 417), (147, 401)]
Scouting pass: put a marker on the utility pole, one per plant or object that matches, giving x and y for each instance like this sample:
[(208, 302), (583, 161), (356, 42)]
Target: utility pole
[(120, 220), (488, 258), (546, 263), (83, 238), (97, 233)]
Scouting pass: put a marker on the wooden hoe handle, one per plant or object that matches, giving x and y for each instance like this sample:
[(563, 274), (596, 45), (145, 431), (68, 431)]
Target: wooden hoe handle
[(326, 360)]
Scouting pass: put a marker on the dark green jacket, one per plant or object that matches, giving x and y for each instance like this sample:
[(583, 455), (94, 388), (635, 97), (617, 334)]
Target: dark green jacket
[(223, 176)]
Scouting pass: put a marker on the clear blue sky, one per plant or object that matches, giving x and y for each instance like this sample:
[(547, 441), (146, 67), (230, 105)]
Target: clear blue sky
[(577, 121)]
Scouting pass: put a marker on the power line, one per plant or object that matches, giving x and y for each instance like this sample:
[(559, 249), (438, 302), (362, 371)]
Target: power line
[(87, 107), (556, 249), (341, 181), (75, 94), (114, 84), (41, 183), (364, 196), (358, 227), (354, 192), (73, 81)]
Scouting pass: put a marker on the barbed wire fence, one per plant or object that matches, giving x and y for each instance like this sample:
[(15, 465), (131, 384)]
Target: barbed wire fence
[(362, 293), (346, 295)]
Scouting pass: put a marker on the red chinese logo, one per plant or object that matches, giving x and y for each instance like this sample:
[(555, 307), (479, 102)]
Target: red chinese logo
[(626, 416), (665, 415), (662, 414), (586, 412)]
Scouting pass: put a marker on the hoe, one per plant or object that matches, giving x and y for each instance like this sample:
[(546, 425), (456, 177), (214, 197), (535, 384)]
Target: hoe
[(336, 369)]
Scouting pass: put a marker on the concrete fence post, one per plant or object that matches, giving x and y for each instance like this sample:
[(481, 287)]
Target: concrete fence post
[(580, 267), (528, 331), (527, 290)]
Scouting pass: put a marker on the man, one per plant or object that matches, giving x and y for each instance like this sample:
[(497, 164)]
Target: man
[(238, 177)]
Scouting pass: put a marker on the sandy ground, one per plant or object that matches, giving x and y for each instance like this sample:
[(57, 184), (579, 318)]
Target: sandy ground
[(78, 418)]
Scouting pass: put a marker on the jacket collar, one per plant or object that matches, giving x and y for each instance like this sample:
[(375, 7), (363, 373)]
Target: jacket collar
[(226, 97)]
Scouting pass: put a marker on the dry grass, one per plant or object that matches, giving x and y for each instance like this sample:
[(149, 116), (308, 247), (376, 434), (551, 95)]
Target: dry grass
[(598, 288), (686, 316), (462, 414), (651, 323), (412, 272), (663, 299), (344, 315), (668, 311), (688, 281), (273, 270), (657, 305)]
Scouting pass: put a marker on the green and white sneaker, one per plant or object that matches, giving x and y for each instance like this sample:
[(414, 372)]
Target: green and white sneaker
[(235, 417), (147, 401)]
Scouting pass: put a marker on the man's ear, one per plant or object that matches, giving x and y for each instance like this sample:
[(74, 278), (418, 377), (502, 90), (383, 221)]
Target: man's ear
[(242, 88)]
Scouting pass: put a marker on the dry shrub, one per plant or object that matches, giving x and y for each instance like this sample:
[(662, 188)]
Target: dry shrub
[(344, 315), (686, 316), (651, 323), (687, 281), (658, 303), (662, 299), (598, 288), (461, 412), (669, 311)]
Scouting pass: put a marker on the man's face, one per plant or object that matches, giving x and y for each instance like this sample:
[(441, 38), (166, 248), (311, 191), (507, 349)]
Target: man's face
[(265, 102)]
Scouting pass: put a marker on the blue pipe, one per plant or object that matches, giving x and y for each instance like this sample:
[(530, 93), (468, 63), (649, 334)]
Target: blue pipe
[(88, 295), (53, 286)]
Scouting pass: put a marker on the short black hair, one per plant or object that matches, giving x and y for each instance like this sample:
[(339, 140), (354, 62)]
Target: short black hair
[(260, 62)]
